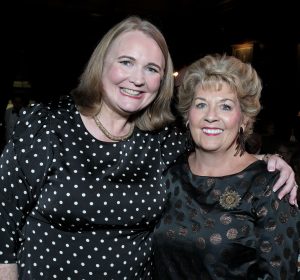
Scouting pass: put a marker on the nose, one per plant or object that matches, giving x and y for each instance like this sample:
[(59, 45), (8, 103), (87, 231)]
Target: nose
[(137, 77), (211, 115)]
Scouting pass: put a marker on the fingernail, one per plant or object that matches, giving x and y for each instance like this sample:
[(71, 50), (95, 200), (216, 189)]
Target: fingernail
[(271, 169)]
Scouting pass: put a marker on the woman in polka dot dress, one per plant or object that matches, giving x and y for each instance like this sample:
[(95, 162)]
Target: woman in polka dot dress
[(81, 179)]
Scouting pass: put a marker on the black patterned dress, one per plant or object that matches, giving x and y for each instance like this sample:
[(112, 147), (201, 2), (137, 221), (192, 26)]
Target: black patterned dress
[(230, 227), (74, 207)]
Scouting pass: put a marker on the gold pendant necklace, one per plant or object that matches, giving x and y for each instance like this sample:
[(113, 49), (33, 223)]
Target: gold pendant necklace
[(109, 135)]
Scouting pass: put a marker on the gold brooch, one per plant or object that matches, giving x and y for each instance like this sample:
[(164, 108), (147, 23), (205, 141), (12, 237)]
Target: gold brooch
[(229, 199)]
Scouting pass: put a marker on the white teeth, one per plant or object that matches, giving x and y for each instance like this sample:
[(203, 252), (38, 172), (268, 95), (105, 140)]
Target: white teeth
[(130, 91), (212, 131)]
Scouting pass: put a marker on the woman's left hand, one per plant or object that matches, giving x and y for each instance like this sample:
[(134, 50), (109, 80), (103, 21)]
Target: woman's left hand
[(286, 182)]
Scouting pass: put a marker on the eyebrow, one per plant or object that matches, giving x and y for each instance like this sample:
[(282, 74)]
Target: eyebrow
[(132, 58), (221, 100)]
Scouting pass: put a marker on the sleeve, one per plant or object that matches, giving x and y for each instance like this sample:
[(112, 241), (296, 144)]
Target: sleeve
[(23, 167), (277, 235), (173, 144)]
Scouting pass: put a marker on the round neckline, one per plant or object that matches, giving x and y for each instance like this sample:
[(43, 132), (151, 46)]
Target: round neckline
[(188, 169), (79, 120)]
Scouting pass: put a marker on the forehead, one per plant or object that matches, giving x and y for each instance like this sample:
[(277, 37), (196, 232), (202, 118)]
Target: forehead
[(136, 43), (219, 89), (134, 35)]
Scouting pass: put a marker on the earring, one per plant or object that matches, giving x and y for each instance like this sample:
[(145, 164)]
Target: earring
[(240, 143), (187, 123)]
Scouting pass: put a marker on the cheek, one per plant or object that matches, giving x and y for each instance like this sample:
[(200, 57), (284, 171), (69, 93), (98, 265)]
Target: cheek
[(194, 117), (153, 83), (113, 74), (235, 120)]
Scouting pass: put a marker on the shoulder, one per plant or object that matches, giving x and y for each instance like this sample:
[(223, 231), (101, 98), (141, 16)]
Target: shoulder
[(64, 103), (168, 131), (260, 177), (171, 137), (259, 173), (38, 120), (40, 112)]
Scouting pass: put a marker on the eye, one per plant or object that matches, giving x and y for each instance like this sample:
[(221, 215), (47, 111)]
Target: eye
[(126, 62), (152, 69), (200, 105), (226, 107)]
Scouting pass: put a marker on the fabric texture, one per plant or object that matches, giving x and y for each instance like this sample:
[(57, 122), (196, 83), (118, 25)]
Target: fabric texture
[(230, 227), (95, 203)]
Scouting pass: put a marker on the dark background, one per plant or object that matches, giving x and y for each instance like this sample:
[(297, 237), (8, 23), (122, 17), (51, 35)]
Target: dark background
[(49, 42)]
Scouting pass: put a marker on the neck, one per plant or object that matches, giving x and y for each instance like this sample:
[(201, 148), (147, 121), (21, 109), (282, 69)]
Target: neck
[(113, 126), (218, 164), (111, 136)]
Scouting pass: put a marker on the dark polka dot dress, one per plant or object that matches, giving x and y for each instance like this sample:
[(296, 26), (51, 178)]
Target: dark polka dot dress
[(74, 207)]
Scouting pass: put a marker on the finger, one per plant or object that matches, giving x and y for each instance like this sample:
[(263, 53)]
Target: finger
[(283, 179), (287, 177), (289, 186), (293, 196), (296, 203), (271, 164)]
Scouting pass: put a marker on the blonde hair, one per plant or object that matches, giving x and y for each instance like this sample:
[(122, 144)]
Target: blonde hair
[(210, 72), (88, 94)]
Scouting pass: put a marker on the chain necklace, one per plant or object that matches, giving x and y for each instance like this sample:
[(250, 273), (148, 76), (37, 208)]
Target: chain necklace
[(109, 135)]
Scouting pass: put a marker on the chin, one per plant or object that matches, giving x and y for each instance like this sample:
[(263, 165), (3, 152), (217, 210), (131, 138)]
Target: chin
[(129, 111)]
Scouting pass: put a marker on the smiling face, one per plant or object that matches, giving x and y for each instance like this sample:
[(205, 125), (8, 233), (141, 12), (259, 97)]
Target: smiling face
[(215, 118), (133, 69)]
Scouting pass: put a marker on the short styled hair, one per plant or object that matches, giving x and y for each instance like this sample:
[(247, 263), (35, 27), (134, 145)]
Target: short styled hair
[(88, 93), (210, 72)]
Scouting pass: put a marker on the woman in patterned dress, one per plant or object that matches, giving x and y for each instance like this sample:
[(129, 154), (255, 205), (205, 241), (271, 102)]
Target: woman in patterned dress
[(222, 220)]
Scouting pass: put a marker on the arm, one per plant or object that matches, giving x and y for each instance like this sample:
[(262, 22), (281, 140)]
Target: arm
[(23, 165), (286, 182), (8, 271), (14, 201)]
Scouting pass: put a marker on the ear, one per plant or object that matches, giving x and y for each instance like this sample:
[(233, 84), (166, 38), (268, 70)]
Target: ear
[(245, 121)]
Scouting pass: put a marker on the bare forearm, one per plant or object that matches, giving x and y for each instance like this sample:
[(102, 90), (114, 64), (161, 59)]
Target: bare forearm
[(8, 271)]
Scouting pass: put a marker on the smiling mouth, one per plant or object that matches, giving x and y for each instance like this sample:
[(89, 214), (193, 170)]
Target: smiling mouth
[(130, 92), (212, 131)]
